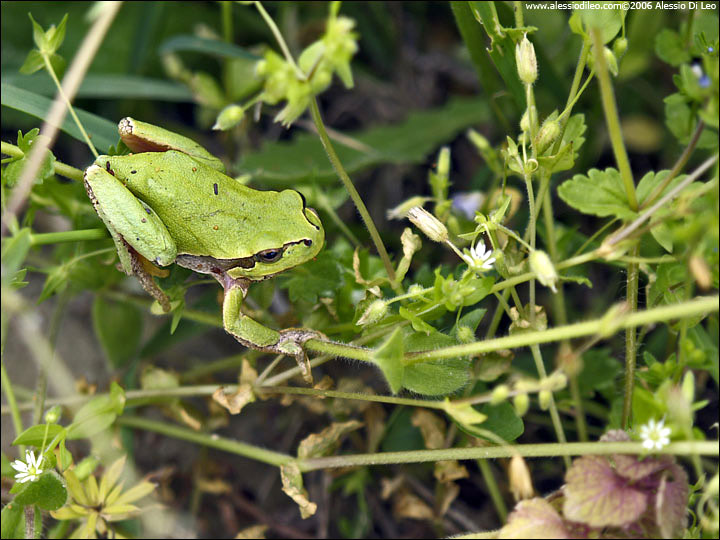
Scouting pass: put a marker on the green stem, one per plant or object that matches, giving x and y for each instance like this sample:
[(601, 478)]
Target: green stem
[(493, 489), (612, 119), (554, 415), (281, 41), (707, 448), (60, 168), (605, 328), (211, 440), (354, 195), (12, 404), (67, 236), (630, 339), (682, 160), (70, 108)]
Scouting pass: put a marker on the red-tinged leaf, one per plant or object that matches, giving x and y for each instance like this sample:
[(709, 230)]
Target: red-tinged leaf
[(595, 495), (534, 518), (633, 468), (615, 435), (671, 502)]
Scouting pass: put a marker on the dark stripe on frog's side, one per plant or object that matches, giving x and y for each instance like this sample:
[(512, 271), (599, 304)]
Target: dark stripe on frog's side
[(210, 265)]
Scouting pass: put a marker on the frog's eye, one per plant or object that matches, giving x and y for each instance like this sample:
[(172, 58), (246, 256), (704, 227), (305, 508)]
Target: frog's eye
[(269, 255)]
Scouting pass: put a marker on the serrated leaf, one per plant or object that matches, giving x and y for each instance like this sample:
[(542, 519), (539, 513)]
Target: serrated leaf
[(534, 518), (596, 496), (118, 327), (600, 193), (389, 358), (47, 492)]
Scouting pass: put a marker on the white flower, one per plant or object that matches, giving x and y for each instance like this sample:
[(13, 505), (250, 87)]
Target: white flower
[(655, 435), (479, 259), (30, 471)]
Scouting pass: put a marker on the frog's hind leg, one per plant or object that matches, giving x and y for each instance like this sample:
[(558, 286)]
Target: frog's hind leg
[(139, 266), (139, 234)]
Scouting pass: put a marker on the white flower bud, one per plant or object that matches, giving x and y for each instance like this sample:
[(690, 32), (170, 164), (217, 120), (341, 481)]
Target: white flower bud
[(543, 267), (428, 224), (526, 61)]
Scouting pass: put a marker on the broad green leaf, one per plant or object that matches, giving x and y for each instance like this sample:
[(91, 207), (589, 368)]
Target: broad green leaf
[(13, 524), (609, 21), (97, 414), (602, 193), (389, 358), (669, 47), (303, 159), (36, 435), (439, 377), (103, 132), (47, 492), (118, 327)]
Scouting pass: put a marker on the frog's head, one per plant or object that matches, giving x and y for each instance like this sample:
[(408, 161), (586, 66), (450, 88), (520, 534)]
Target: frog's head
[(295, 237)]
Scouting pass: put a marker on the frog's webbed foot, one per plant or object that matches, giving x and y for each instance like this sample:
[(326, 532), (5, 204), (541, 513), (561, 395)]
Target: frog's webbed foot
[(292, 343), (139, 264)]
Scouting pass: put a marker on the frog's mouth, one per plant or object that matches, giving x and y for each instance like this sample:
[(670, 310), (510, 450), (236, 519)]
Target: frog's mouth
[(210, 265)]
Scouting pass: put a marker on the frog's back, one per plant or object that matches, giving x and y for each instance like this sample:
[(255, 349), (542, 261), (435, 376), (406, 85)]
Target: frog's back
[(211, 214)]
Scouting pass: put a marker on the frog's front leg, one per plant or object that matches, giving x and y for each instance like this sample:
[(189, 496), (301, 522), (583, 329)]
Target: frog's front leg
[(139, 234), (256, 336)]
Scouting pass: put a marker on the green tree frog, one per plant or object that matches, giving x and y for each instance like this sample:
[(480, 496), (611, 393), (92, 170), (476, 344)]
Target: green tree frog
[(171, 202)]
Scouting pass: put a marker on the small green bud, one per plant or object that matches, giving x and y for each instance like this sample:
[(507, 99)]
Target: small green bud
[(545, 397), (543, 267), (521, 402), (547, 135), (499, 394), (53, 414), (415, 288), (374, 312), (526, 61), (620, 47), (229, 117), (428, 224), (465, 334), (525, 122), (443, 162), (478, 140), (611, 61)]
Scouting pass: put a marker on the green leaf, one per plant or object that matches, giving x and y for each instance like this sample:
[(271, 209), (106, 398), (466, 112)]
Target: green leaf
[(600, 193), (670, 49), (439, 377), (502, 421), (13, 524), (56, 36), (205, 46), (609, 21), (33, 62), (303, 159), (118, 327), (103, 132), (36, 435), (679, 119), (14, 251), (320, 277), (47, 492), (38, 34), (663, 235), (97, 414), (389, 358)]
